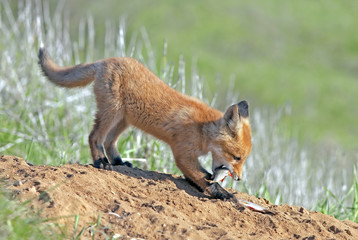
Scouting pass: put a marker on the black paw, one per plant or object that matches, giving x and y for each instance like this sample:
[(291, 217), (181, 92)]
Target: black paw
[(102, 163), (219, 192), (118, 161), (128, 164)]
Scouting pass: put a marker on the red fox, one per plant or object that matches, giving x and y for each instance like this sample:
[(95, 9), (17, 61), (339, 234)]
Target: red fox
[(127, 93)]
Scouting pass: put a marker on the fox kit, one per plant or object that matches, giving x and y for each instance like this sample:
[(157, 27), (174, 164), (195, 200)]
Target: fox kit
[(127, 93)]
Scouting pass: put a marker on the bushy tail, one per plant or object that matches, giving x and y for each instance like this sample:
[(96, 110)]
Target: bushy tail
[(69, 77)]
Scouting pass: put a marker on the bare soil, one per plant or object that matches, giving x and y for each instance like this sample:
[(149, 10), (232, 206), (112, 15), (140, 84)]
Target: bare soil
[(132, 203)]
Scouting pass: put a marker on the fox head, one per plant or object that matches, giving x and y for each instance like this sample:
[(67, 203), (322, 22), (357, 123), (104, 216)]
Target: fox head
[(232, 143)]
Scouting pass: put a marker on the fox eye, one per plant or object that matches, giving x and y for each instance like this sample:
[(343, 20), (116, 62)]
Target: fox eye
[(236, 158)]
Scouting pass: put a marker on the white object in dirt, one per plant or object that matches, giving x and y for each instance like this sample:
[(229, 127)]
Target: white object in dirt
[(255, 207)]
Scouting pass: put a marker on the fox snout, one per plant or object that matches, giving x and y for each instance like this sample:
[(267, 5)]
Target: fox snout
[(237, 171), (236, 175), (236, 178)]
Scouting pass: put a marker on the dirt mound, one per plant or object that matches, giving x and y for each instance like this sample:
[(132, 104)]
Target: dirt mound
[(134, 203)]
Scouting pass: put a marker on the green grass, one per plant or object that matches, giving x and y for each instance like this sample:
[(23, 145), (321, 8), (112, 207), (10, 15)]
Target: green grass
[(17, 221), (337, 206), (49, 125)]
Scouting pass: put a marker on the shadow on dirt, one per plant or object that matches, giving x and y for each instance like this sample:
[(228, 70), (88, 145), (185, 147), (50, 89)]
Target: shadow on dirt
[(179, 181)]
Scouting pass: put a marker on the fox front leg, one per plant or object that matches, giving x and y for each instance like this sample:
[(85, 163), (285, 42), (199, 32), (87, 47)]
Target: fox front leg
[(199, 177), (218, 192), (213, 189)]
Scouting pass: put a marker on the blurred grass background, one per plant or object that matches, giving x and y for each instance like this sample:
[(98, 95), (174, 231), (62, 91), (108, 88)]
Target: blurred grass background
[(294, 61), (298, 53)]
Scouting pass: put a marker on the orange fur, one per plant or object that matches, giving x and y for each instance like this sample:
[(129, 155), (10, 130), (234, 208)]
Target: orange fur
[(127, 93)]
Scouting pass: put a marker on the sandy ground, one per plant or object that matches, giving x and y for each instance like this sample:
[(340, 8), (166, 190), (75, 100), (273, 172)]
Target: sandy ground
[(133, 203)]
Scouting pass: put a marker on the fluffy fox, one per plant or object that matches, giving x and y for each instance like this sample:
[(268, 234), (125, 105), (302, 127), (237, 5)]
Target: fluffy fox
[(127, 93)]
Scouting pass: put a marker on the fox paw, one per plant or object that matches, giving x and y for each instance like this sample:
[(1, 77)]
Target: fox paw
[(218, 192), (102, 163), (118, 161)]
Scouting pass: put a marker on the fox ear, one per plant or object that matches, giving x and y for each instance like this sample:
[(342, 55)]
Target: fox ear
[(231, 118), (234, 113), (243, 109)]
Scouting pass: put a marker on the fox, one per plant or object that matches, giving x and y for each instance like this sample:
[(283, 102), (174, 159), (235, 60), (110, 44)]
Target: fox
[(127, 93)]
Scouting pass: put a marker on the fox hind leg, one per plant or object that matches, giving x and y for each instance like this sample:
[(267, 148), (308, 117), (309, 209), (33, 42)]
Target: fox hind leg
[(110, 143), (103, 123)]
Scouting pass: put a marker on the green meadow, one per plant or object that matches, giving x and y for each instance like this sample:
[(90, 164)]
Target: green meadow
[(296, 63)]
